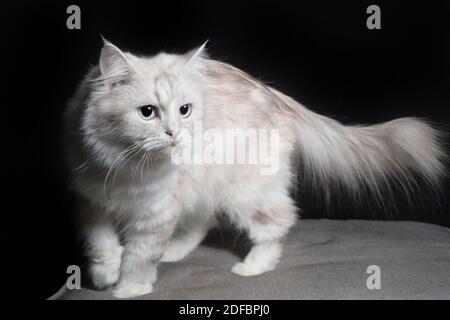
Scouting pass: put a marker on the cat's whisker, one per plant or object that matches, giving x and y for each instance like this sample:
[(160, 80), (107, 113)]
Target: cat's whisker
[(136, 169), (144, 165), (117, 160), (81, 167), (127, 159), (130, 154), (126, 150), (108, 173)]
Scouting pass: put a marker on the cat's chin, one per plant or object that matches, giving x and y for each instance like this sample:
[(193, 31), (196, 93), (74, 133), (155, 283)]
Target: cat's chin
[(167, 150), (162, 153)]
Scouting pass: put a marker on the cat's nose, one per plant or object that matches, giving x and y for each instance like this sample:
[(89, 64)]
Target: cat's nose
[(169, 133)]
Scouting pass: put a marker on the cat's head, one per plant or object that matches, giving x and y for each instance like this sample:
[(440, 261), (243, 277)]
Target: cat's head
[(147, 103)]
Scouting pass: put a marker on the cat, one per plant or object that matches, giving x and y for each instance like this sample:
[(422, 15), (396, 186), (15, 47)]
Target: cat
[(138, 207)]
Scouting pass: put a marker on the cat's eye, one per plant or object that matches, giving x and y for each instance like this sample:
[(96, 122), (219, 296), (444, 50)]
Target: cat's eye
[(185, 110), (147, 112)]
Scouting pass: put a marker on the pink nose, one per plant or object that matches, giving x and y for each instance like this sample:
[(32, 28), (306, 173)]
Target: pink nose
[(171, 133)]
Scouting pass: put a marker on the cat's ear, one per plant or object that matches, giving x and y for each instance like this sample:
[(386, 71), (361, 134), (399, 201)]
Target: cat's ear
[(195, 59), (197, 53), (114, 66)]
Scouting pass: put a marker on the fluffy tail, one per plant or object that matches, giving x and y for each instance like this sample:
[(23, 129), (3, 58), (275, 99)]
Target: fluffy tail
[(369, 161)]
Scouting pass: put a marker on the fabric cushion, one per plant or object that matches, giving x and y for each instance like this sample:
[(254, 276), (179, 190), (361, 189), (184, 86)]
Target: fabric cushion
[(322, 259)]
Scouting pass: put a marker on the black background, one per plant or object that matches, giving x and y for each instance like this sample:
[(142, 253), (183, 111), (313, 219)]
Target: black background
[(319, 52)]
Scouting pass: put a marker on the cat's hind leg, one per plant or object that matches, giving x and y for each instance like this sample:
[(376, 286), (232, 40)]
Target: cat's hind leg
[(266, 230), (189, 235)]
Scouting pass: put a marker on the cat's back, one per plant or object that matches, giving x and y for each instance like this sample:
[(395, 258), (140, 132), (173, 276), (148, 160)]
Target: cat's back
[(235, 99)]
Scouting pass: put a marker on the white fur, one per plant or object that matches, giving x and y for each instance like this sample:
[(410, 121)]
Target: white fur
[(261, 258), (133, 198)]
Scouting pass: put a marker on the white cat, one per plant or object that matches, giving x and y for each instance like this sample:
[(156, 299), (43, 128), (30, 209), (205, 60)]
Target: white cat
[(138, 207)]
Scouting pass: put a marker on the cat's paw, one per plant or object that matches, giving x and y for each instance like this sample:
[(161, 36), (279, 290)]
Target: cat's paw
[(127, 289), (104, 274), (247, 269)]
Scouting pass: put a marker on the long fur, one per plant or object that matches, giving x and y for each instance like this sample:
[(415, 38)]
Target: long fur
[(137, 207), (369, 161)]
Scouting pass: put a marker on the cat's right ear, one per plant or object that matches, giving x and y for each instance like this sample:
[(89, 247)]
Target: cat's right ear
[(114, 65)]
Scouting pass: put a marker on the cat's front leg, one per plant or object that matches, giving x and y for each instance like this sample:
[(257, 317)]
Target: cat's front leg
[(145, 242), (103, 247)]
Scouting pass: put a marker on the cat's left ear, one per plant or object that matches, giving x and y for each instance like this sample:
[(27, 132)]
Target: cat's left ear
[(195, 59)]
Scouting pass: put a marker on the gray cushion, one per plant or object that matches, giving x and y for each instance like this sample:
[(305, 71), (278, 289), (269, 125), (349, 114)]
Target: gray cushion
[(323, 259)]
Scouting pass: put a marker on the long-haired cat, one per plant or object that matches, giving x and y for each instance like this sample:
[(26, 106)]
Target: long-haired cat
[(139, 207)]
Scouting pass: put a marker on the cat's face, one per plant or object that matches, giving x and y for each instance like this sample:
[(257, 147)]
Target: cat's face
[(146, 103)]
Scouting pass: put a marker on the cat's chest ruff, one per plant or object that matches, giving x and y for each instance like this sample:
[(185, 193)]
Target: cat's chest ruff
[(144, 193)]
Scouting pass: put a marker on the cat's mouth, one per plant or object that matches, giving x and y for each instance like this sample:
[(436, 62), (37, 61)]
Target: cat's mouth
[(160, 146)]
